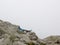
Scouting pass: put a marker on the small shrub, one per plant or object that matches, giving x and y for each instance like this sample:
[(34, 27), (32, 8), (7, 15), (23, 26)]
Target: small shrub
[(12, 38), (31, 43), (1, 32), (20, 32), (42, 44)]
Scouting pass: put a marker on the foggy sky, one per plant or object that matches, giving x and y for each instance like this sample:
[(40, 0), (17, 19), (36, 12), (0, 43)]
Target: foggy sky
[(42, 16)]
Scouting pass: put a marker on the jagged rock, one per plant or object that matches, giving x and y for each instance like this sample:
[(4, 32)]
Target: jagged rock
[(18, 43), (52, 40), (32, 36), (10, 34)]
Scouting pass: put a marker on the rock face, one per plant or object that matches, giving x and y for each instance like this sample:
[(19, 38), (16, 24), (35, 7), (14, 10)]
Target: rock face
[(11, 34), (52, 40)]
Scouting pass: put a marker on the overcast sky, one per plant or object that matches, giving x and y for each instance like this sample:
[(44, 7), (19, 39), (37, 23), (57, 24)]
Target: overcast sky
[(42, 16)]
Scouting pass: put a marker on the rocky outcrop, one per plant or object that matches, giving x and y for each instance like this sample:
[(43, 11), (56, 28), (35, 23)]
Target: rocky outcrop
[(11, 34)]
